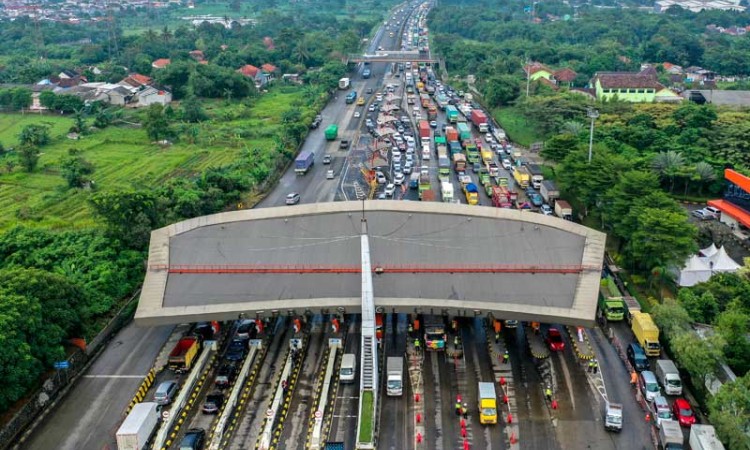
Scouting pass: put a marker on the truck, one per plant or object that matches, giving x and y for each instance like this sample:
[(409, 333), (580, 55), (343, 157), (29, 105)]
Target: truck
[(446, 190), (501, 197), (472, 194), (444, 164), (451, 113), (484, 177), (451, 134), (537, 176), (344, 83), (414, 180), (563, 210), (332, 132), (138, 427), (487, 403), (431, 111), (613, 416), (464, 132), (631, 307), (479, 119), (424, 184), (611, 305), (183, 355), (351, 97), (455, 148), (459, 162), (670, 436), (703, 437), (522, 176), (472, 153), (424, 129), (366, 73), (646, 333), (394, 370), (669, 377), (424, 100), (549, 191), (486, 153), (303, 162), (434, 333)]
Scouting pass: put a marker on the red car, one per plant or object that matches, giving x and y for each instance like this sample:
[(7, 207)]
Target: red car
[(683, 412), (555, 340)]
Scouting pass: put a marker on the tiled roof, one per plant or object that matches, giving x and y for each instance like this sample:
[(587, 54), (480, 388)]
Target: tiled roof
[(567, 75), (161, 63), (268, 67), (535, 67), (248, 70), (610, 80)]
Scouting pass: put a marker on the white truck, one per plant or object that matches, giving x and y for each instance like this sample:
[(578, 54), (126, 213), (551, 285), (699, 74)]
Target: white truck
[(703, 437), (669, 377), (395, 376), (446, 189), (344, 83), (670, 436), (563, 210), (137, 428), (613, 416)]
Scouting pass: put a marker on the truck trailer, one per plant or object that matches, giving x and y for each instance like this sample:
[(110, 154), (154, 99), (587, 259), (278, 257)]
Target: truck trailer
[(394, 376), (446, 190), (424, 129), (646, 333), (537, 176), (479, 119), (631, 307), (303, 162), (487, 403), (183, 354), (138, 427), (344, 83), (549, 191)]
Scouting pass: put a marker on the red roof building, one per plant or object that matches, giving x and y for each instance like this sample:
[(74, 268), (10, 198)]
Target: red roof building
[(269, 68), (249, 70), (160, 63)]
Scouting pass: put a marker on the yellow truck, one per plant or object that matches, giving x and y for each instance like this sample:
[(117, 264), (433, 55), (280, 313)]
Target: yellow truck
[(486, 153), (472, 194), (522, 176), (183, 354), (487, 403), (646, 333)]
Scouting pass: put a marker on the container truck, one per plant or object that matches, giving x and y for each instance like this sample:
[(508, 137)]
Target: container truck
[(669, 377), (522, 176), (304, 161), (459, 162), (487, 403), (613, 416), (446, 190), (344, 83), (183, 354), (451, 134), (549, 191), (332, 132), (563, 210), (472, 194), (455, 148), (501, 197), (444, 164), (703, 437), (424, 129), (479, 119), (431, 111), (138, 427), (670, 436), (631, 307), (537, 176), (451, 113), (424, 100), (394, 376), (464, 132), (646, 333)]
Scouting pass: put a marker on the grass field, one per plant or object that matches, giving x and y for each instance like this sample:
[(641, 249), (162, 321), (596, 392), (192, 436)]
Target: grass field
[(365, 427), (124, 158), (516, 126)]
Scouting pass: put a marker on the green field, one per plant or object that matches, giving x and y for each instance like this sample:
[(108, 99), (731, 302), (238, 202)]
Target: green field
[(123, 157)]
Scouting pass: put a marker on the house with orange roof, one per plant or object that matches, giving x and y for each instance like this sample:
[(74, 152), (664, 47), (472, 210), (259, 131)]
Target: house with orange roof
[(161, 63)]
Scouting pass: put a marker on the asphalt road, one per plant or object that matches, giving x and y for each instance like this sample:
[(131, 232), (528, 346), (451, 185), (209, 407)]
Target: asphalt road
[(90, 414)]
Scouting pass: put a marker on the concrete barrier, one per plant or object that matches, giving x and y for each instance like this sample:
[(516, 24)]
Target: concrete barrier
[(317, 438)]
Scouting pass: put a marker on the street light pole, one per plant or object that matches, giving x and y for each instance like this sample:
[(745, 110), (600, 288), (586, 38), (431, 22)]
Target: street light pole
[(593, 114)]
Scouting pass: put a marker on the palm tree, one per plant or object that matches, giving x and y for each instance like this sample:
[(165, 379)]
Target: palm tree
[(166, 34), (705, 173), (667, 165), (572, 127)]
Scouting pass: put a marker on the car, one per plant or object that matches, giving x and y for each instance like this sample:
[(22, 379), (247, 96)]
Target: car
[(660, 410), (715, 211), (344, 144), (418, 116), (703, 214), (213, 403), (507, 165), (371, 108), (380, 177), (246, 329), (637, 357), (410, 157), (165, 392), (330, 174), (398, 179), (415, 109), (404, 119), (361, 101), (357, 114), (368, 91), (379, 97), (369, 123), (554, 340), (236, 350), (397, 167), (546, 210), (488, 137), (225, 375), (476, 167), (327, 159), (433, 124), (407, 169), (193, 440), (683, 412), (390, 189), (424, 170), (648, 385), (292, 198), (396, 157)]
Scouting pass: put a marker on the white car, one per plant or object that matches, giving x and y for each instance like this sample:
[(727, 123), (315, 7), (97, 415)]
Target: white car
[(546, 210), (702, 214), (488, 137), (507, 165), (424, 170), (390, 189), (380, 177), (715, 211), (398, 180), (329, 175), (357, 114), (396, 157)]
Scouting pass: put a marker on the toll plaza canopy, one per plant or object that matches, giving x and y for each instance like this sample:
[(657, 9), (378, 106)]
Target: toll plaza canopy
[(429, 258)]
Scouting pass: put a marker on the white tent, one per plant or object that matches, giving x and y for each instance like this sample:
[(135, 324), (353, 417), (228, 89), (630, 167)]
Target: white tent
[(695, 271), (709, 251), (721, 262)]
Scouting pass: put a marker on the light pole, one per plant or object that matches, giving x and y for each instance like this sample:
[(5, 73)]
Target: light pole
[(593, 114)]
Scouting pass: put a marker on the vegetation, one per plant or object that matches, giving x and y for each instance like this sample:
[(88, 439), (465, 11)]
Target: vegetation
[(366, 420)]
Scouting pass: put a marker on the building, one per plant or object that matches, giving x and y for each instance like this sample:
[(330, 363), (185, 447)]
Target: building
[(535, 71), (151, 96), (553, 78), (735, 206), (160, 63), (718, 97), (638, 87), (260, 76), (698, 5)]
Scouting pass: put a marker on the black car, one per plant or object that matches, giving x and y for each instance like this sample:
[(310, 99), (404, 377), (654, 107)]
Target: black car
[(213, 403), (637, 357), (193, 440), (226, 375), (236, 350)]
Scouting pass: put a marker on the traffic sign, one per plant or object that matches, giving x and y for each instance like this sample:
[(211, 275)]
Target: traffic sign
[(269, 413), (62, 365), (318, 414), (165, 415)]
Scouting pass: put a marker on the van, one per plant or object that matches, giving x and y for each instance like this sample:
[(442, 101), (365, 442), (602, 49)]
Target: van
[(165, 392), (649, 386), (348, 368), (660, 410), (637, 357)]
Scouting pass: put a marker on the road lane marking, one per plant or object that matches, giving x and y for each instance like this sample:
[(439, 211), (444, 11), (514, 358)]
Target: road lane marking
[(114, 376)]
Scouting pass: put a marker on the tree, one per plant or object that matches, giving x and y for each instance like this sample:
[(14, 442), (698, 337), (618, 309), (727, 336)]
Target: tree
[(660, 239), (730, 412), (702, 308), (129, 215), (28, 155), (558, 147), (156, 123), (192, 111), (572, 127), (75, 169), (34, 134), (671, 317), (501, 90), (618, 200), (668, 165), (697, 355), (705, 174), (733, 326), (18, 365)]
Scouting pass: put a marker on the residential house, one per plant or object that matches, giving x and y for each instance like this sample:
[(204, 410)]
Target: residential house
[(535, 71), (249, 71), (269, 72), (67, 74), (565, 77), (672, 69), (261, 76), (695, 74), (118, 95), (631, 87), (197, 55), (151, 96), (160, 63), (292, 78), (136, 80)]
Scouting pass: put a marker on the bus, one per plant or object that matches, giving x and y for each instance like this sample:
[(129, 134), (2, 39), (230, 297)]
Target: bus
[(434, 333)]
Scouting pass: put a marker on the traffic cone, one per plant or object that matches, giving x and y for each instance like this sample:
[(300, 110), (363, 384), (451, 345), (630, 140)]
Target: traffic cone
[(502, 381), (505, 399), (463, 432), (416, 398), (554, 404), (463, 423), (513, 438), (466, 444), (419, 418), (510, 418), (419, 438)]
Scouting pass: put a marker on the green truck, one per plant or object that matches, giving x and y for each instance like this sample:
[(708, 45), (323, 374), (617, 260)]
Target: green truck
[(451, 113), (464, 132), (611, 303), (332, 132), (424, 184), (472, 153)]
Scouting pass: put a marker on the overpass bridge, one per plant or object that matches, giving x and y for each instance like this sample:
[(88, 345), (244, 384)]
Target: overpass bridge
[(429, 258), (392, 56)]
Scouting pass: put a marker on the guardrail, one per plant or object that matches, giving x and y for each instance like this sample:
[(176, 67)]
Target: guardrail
[(317, 438)]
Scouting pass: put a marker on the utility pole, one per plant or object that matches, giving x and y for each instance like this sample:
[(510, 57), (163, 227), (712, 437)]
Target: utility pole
[(528, 76), (593, 114)]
